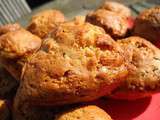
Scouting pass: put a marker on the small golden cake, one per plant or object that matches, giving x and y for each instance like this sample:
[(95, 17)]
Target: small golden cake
[(147, 24), (43, 22), (90, 112)]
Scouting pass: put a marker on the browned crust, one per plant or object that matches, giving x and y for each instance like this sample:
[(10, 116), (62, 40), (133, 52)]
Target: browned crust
[(144, 78), (9, 28), (73, 71), (90, 112), (131, 95), (114, 24), (116, 7), (147, 24), (18, 43), (42, 23), (151, 15)]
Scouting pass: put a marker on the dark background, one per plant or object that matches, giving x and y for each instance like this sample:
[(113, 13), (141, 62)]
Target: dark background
[(35, 3)]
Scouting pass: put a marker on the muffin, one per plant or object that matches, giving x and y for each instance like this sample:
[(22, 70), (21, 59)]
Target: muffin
[(90, 112), (113, 23), (45, 21), (144, 70), (117, 8), (15, 47), (121, 10), (147, 24), (18, 43), (4, 111), (8, 85), (76, 65)]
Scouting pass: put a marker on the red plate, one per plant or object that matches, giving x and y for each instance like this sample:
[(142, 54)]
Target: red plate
[(143, 109)]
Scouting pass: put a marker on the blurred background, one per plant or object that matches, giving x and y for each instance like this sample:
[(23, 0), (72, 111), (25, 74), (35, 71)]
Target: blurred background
[(21, 10), (35, 3)]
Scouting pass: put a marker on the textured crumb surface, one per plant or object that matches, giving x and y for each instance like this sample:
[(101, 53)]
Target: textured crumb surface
[(18, 43), (72, 68), (113, 23), (90, 112), (117, 8), (144, 71), (45, 21), (151, 15), (147, 24), (9, 28)]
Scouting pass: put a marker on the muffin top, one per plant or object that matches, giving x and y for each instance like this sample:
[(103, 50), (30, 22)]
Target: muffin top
[(113, 23), (117, 8), (8, 28), (45, 21), (73, 69), (144, 72), (151, 16), (90, 112), (18, 43)]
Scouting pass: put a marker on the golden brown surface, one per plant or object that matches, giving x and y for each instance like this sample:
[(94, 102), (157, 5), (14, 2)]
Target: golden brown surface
[(77, 62), (15, 48), (113, 23), (43, 22), (18, 43), (74, 71), (77, 33), (147, 24), (4, 111), (90, 112), (117, 7), (9, 28), (144, 72)]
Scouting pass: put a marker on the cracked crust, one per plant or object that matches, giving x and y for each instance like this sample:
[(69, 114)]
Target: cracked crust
[(71, 72), (90, 112), (117, 8), (113, 23), (43, 22), (147, 24), (76, 32), (144, 70)]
